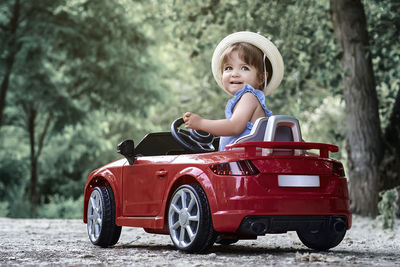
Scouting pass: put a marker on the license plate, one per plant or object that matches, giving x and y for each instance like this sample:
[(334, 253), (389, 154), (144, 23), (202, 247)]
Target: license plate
[(298, 180)]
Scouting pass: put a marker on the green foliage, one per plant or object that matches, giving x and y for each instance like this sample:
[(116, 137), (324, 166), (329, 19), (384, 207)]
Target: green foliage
[(18, 203), (13, 171), (388, 207), (4, 209), (10, 171), (62, 207), (326, 123), (81, 71), (384, 30), (93, 143)]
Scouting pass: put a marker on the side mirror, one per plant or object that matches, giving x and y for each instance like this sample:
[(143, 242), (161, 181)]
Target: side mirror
[(127, 149)]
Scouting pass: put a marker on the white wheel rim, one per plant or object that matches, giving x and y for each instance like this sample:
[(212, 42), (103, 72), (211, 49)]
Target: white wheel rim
[(94, 216), (183, 218)]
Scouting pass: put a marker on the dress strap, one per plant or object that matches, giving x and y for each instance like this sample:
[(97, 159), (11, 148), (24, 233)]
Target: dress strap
[(247, 88)]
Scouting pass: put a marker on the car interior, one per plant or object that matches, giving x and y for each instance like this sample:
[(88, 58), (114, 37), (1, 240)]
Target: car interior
[(274, 128), (163, 143)]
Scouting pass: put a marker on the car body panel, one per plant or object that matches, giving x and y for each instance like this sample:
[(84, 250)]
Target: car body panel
[(144, 184), (142, 191)]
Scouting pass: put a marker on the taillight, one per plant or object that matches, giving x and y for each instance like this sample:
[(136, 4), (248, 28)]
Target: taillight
[(243, 167), (338, 170)]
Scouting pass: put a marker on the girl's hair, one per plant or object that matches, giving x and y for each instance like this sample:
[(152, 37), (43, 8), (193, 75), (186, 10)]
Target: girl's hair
[(251, 55)]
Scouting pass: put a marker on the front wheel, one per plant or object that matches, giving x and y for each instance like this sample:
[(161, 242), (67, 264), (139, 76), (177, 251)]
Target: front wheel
[(101, 226), (189, 219)]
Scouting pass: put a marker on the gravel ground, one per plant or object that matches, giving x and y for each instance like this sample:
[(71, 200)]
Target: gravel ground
[(65, 242)]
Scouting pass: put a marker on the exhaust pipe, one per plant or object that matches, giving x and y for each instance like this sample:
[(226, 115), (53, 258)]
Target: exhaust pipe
[(339, 226), (259, 228)]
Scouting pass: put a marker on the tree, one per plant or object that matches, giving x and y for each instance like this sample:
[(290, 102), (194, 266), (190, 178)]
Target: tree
[(10, 47), (384, 29), (73, 57), (366, 145)]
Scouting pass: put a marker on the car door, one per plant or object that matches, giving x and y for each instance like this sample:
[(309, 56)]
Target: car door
[(144, 184)]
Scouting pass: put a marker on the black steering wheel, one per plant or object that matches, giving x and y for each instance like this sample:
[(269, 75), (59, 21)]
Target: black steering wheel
[(193, 140)]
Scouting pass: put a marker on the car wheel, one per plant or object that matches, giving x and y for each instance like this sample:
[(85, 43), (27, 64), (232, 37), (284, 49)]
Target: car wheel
[(323, 239), (101, 225), (189, 219)]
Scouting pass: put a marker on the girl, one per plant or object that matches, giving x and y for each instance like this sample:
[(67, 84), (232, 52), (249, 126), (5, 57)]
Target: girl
[(247, 66)]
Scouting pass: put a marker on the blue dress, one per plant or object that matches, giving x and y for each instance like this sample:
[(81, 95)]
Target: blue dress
[(227, 140)]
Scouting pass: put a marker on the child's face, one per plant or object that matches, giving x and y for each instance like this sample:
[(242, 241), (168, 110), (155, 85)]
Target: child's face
[(236, 73)]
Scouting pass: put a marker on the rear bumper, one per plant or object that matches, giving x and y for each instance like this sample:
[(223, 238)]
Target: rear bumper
[(261, 195), (308, 208), (260, 225)]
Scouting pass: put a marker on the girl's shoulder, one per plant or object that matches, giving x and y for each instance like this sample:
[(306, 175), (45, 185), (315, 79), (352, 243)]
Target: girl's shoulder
[(249, 98), (249, 89)]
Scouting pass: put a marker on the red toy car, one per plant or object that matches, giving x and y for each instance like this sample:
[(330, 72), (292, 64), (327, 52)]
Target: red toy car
[(176, 183)]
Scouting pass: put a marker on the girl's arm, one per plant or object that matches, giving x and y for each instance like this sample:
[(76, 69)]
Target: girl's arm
[(242, 114)]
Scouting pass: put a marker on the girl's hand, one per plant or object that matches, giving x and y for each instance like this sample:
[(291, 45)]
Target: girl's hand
[(192, 121)]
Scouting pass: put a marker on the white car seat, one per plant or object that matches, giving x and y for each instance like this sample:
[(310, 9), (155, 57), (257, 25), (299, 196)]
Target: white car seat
[(275, 128), (257, 133)]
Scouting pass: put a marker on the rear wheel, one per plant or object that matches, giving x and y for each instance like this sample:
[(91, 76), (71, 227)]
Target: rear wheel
[(323, 239), (189, 219), (101, 226)]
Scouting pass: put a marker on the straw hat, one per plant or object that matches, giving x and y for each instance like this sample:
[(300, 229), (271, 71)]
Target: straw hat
[(265, 45)]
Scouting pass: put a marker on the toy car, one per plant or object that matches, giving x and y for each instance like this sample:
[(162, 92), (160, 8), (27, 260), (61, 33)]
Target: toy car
[(176, 183)]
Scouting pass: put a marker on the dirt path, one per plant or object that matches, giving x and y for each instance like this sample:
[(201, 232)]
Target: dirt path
[(65, 242)]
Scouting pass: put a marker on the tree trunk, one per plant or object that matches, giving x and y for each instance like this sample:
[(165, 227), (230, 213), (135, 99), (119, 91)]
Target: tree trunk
[(364, 138), (34, 175), (13, 49), (36, 141)]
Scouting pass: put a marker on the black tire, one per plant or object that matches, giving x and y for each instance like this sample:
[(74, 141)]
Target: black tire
[(321, 240), (101, 226), (189, 220)]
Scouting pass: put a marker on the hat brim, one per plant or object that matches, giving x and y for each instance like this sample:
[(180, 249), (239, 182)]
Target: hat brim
[(265, 45)]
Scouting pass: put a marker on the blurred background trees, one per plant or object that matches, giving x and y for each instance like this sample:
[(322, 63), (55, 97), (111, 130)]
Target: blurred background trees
[(372, 156), (74, 75), (79, 76)]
